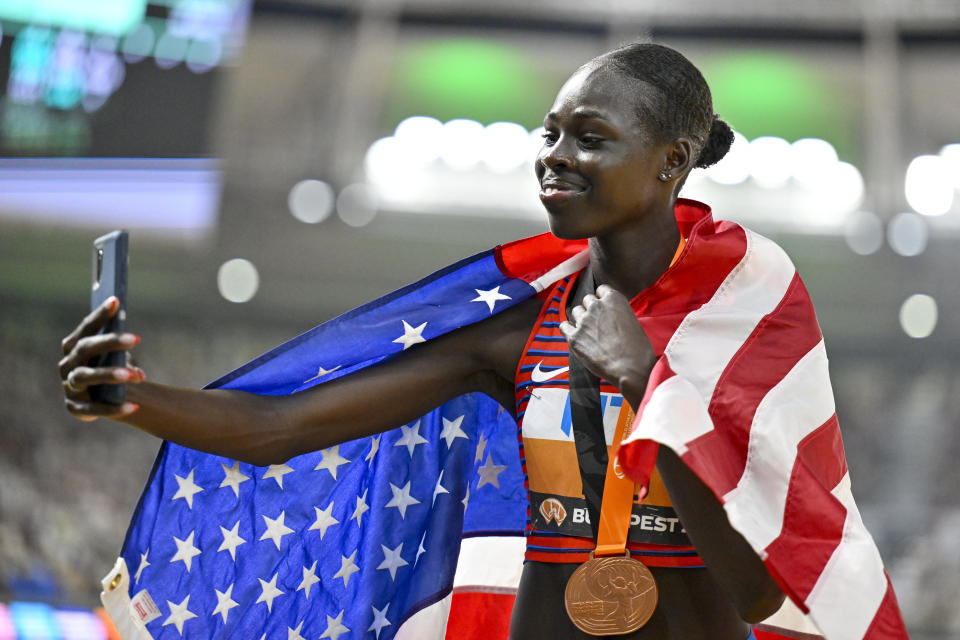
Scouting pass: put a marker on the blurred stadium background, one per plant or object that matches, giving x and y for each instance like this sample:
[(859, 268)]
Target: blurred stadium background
[(282, 161)]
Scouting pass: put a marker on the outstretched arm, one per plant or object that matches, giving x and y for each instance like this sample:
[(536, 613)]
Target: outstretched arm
[(268, 429), (605, 335)]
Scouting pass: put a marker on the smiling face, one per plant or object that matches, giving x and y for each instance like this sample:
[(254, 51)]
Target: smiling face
[(598, 167)]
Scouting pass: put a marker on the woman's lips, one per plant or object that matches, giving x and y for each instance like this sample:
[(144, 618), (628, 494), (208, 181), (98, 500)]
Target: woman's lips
[(558, 192)]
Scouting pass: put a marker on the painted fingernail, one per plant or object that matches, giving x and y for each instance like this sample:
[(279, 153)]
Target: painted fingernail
[(129, 407), (114, 303), (123, 375), (141, 374), (130, 339)]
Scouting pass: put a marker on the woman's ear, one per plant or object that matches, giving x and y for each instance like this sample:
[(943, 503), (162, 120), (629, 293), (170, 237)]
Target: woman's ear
[(679, 159)]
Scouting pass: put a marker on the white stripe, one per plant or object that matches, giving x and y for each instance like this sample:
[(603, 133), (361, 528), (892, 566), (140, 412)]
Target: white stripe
[(674, 415), (430, 623), (490, 561), (562, 270), (852, 586), (707, 339), (116, 600), (798, 404)]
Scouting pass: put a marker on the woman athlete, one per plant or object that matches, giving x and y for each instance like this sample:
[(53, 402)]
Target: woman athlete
[(620, 139)]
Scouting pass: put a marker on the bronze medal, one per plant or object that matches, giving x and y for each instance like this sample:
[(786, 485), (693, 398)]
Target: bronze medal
[(610, 596)]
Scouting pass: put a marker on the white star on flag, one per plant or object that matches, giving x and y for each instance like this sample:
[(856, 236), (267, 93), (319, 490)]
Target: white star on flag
[(374, 447), (361, 507), (232, 478), (452, 431), (179, 614), (411, 438), (320, 373), (481, 446), (186, 489), (309, 578), (347, 568), (411, 335), (294, 634), (277, 471), (143, 565), (490, 473), (269, 591), (490, 297), (331, 460), (392, 560), (224, 603), (276, 529), (401, 499), (437, 490), (421, 549), (325, 519), (185, 550), (231, 540), (335, 628), (379, 619)]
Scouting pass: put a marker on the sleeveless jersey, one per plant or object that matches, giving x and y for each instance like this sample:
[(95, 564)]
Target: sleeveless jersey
[(558, 521)]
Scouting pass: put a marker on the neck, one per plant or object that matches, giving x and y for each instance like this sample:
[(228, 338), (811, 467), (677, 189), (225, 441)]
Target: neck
[(633, 258)]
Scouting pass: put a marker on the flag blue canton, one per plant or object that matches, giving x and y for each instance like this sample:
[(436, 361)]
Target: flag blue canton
[(352, 540)]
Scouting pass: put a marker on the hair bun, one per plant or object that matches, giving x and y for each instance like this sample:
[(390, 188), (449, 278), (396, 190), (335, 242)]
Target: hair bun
[(717, 145)]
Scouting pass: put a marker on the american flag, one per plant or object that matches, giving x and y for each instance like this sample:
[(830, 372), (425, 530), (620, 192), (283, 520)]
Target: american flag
[(742, 392), (417, 532), (360, 540)]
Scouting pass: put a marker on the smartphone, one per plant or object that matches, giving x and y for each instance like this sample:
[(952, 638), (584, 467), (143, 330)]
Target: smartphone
[(110, 265)]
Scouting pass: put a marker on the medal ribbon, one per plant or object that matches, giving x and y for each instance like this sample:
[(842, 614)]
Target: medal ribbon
[(616, 507)]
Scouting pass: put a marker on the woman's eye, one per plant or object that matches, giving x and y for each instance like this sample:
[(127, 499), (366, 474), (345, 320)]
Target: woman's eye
[(590, 142), (549, 137)]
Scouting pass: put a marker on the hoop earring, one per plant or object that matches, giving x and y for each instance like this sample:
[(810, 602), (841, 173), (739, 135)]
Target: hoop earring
[(664, 176)]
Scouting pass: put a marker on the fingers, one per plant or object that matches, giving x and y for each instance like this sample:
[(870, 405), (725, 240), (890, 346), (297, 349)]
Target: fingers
[(80, 378), (85, 348), (87, 411), (91, 324)]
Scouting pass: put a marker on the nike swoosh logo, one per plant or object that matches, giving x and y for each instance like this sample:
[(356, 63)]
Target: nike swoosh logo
[(538, 375)]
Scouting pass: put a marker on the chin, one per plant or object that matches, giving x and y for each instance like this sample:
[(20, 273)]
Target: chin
[(560, 226)]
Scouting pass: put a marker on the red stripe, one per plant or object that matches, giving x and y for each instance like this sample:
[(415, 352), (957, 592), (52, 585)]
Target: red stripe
[(813, 518), (638, 457), (887, 623), (688, 284), (774, 347), (479, 616), (530, 258)]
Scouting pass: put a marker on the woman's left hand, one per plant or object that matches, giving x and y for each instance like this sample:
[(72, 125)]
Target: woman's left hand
[(604, 334)]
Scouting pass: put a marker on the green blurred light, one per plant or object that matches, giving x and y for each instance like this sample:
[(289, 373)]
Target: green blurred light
[(477, 79), (114, 17), (764, 93)]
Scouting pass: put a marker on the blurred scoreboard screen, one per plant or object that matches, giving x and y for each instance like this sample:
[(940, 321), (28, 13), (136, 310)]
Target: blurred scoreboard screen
[(112, 96), (113, 78)]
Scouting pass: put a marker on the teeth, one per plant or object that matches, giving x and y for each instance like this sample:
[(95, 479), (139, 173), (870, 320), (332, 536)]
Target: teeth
[(550, 191)]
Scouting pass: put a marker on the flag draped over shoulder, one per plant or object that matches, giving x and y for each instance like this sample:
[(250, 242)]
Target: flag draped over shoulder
[(362, 540), (741, 391)]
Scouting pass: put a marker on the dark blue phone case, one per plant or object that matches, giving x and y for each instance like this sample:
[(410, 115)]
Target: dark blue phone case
[(110, 262)]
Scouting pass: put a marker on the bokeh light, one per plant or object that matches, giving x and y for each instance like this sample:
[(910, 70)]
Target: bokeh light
[(504, 146), (238, 280), (951, 155), (864, 233), (734, 168), (461, 143), (813, 159), (907, 234), (357, 205), (419, 139), (770, 161), (929, 185), (918, 315), (311, 201), (843, 186)]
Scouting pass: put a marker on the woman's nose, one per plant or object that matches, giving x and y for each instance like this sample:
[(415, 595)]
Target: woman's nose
[(555, 155)]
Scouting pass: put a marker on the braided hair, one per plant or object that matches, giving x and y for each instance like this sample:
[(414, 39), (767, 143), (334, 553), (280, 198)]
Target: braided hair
[(681, 105)]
